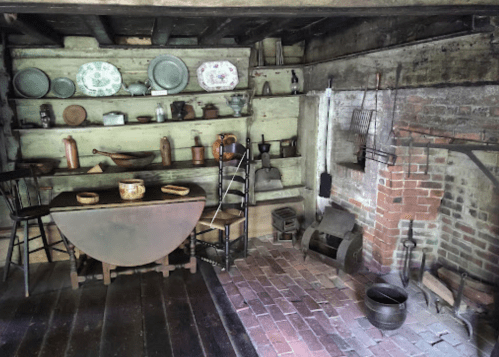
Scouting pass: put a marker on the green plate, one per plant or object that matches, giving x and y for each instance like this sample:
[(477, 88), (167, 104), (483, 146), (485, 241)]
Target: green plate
[(31, 83), (168, 72)]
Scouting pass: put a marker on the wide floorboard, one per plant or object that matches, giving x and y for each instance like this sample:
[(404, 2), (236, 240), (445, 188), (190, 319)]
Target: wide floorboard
[(137, 315)]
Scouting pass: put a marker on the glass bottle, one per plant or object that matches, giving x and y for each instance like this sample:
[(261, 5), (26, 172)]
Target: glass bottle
[(160, 114), (294, 83)]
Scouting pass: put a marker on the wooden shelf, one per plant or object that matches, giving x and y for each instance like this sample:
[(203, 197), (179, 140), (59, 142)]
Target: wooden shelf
[(285, 192), (118, 98), (285, 66), (112, 170), (134, 125), (278, 96)]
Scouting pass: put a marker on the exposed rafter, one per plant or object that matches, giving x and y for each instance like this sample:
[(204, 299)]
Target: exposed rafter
[(317, 28), (100, 29), (218, 29), (268, 29), (340, 8), (33, 27), (162, 30)]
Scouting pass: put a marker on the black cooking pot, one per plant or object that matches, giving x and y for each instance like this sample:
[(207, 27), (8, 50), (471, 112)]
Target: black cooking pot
[(386, 306)]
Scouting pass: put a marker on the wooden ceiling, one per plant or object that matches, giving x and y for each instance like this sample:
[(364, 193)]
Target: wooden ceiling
[(40, 24)]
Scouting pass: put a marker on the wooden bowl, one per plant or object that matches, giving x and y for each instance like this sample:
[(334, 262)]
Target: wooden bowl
[(175, 190), (40, 166), (87, 198), (144, 119)]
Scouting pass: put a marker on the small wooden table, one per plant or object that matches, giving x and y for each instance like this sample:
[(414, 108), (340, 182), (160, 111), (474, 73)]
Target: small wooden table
[(129, 233)]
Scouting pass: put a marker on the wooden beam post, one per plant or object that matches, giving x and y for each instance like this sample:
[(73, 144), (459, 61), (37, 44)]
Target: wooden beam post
[(100, 29), (31, 26), (161, 30)]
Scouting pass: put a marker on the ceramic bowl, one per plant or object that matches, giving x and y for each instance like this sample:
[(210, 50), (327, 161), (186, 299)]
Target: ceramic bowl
[(87, 198), (132, 189), (144, 119)]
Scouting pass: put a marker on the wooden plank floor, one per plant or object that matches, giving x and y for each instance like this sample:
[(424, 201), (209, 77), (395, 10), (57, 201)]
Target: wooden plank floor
[(137, 315)]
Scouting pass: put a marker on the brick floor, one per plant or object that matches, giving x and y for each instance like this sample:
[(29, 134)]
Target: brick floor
[(292, 307)]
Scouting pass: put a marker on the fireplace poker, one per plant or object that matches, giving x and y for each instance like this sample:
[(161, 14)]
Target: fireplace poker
[(457, 304), (427, 158), (409, 245)]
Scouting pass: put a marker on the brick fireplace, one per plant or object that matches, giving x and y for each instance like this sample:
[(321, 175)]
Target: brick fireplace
[(453, 204)]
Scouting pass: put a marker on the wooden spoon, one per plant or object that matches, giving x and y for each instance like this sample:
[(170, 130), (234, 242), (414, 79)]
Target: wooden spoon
[(114, 155)]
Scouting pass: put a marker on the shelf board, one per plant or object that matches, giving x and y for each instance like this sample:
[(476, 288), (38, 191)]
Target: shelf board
[(285, 192), (112, 170), (130, 124), (278, 96), (285, 66), (128, 97)]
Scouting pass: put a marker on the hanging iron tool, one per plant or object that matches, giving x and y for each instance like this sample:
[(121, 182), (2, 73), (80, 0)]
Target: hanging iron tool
[(409, 245), (397, 77), (326, 178)]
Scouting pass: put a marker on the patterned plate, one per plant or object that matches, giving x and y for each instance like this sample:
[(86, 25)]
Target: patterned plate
[(217, 76), (98, 79)]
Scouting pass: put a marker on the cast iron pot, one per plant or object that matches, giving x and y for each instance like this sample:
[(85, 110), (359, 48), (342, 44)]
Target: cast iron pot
[(386, 306)]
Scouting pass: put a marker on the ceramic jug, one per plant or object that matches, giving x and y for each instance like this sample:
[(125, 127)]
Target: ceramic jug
[(71, 153)]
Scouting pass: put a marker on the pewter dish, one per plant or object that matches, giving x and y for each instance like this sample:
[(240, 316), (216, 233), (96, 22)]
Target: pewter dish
[(31, 83), (98, 79), (63, 87), (168, 72)]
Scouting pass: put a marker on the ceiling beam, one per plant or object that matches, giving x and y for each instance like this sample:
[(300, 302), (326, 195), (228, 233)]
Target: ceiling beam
[(71, 8), (31, 26), (100, 29), (162, 30), (315, 29), (218, 29), (268, 29)]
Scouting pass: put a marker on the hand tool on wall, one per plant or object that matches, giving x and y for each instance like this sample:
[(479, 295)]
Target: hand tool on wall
[(378, 78), (326, 178), (397, 78), (427, 158)]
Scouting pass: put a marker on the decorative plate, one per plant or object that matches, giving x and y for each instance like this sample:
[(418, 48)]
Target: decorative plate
[(217, 76), (98, 79), (31, 83), (63, 87), (168, 72), (74, 115)]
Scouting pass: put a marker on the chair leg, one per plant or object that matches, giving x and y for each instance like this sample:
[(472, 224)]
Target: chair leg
[(26, 259), (221, 238), (227, 247), (9, 252), (44, 239)]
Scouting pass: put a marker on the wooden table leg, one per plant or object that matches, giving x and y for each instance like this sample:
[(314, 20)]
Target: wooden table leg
[(73, 273), (193, 261), (106, 272)]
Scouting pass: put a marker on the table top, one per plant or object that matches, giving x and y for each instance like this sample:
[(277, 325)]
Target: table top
[(108, 198)]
